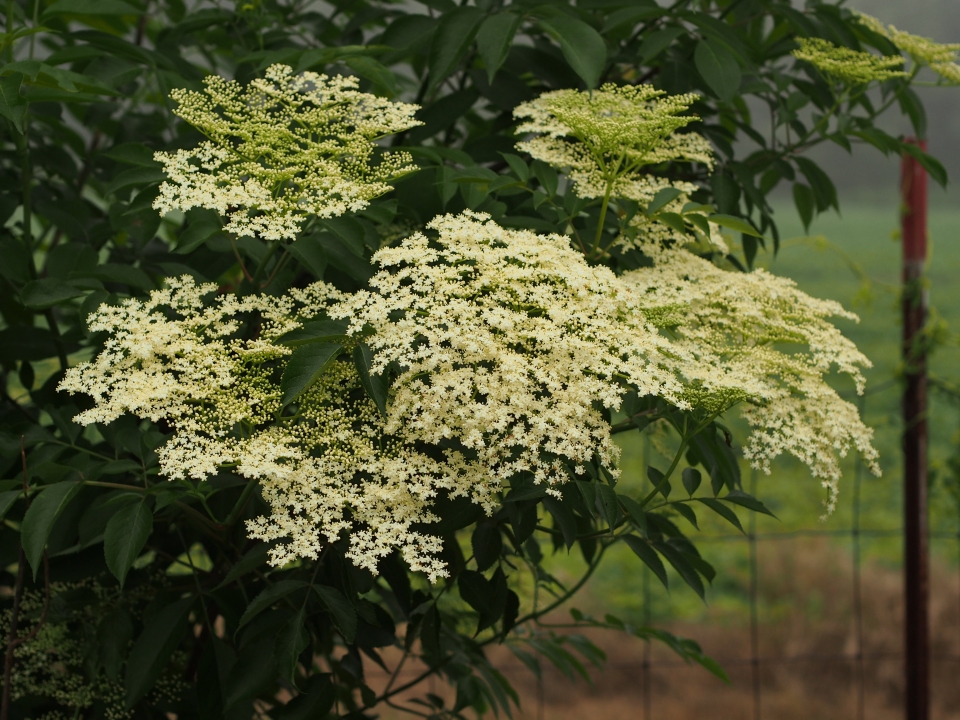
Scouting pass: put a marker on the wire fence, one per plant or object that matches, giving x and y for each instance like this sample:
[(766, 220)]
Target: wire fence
[(757, 661)]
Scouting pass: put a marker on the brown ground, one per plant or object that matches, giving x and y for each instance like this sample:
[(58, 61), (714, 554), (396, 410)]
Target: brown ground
[(807, 642)]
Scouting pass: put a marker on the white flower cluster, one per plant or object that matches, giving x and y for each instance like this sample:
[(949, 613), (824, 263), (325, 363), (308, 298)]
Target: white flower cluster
[(939, 57), (507, 342), (603, 138), (756, 339), (285, 148), (849, 66), (326, 471)]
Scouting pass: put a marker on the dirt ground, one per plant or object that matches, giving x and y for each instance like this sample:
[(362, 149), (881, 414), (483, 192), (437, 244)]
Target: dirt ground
[(806, 644)]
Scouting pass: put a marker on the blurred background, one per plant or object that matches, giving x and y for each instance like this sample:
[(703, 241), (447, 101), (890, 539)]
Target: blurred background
[(806, 618)]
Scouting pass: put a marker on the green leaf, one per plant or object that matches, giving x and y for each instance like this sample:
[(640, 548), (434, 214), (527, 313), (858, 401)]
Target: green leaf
[(663, 197), (804, 200), (343, 613), (582, 46), (377, 387), (691, 480), (823, 188), (657, 480), (317, 331), (658, 41), (308, 252), (7, 499), (256, 557), (124, 538), (374, 71), (453, 37), (645, 552), (734, 223), (487, 543), (517, 164), (683, 566), (636, 513), (134, 177), (203, 225), (495, 38), (91, 7), (689, 515), (723, 511), (718, 68), (313, 702), (291, 641), (738, 497), (607, 503), (632, 15), (929, 163), (152, 650), (47, 292), (305, 366), (268, 597), (41, 516), (564, 518), (13, 105)]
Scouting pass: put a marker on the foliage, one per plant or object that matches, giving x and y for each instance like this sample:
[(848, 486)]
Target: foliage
[(146, 577)]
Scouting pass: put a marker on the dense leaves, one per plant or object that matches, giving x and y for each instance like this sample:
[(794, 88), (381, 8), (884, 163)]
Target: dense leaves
[(167, 605)]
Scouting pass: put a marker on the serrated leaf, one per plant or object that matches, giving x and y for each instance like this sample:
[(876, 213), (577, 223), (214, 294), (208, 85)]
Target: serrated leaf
[(312, 703), (564, 518), (125, 535), (91, 7), (7, 499), (253, 559), (13, 105), (738, 497), (718, 68), (46, 292), (453, 37), (343, 613), (663, 197), (691, 480), (377, 387), (291, 641), (487, 543), (645, 552), (152, 650), (203, 225), (607, 503), (582, 46), (41, 516), (305, 366), (660, 484), (636, 513), (316, 331), (517, 164), (723, 511), (683, 566), (495, 38), (804, 200), (268, 597), (689, 515), (734, 223)]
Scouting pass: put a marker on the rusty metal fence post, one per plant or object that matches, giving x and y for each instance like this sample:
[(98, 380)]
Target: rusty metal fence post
[(916, 563)]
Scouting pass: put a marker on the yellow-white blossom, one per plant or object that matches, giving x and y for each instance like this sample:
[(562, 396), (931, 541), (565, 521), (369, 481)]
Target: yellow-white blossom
[(757, 339), (326, 471), (283, 149), (848, 66), (604, 137), (508, 343), (939, 57)]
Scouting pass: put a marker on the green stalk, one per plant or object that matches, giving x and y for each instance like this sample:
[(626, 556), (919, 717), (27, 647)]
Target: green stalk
[(602, 220), (241, 503)]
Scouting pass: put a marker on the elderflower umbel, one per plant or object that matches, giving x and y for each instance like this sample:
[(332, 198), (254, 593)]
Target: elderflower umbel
[(848, 66), (326, 471), (283, 149), (939, 57), (602, 138)]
